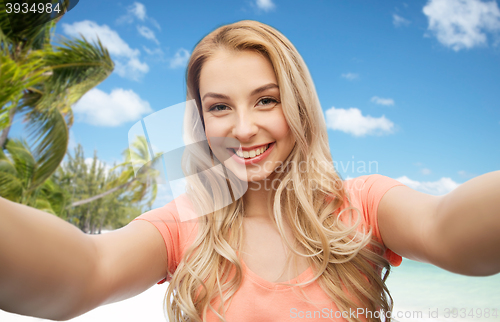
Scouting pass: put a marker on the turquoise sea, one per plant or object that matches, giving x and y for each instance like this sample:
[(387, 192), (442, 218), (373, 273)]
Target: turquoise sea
[(418, 287)]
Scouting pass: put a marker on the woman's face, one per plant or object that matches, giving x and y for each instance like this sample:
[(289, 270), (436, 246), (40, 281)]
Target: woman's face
[(241, 104)]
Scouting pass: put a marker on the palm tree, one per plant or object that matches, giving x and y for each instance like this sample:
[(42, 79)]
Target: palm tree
[(42, 81), (19, 169), (140, 184), (74, 179), (107, 202)]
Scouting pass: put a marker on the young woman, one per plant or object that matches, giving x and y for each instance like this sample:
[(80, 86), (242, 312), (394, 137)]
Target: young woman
[(299, 243)]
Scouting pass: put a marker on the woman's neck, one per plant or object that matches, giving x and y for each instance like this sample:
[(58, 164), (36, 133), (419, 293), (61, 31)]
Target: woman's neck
[(255, 199)]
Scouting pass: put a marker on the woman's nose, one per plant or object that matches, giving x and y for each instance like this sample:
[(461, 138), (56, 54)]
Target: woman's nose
[(245, 127)]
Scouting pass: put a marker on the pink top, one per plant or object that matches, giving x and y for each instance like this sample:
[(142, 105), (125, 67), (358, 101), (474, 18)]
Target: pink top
[(261, 300)]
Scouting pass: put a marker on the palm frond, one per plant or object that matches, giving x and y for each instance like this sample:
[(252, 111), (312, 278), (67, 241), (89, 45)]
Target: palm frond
[(77, 66), (50, 134), (44, 205), (6, 165), (22, 159), (15, 77), (11, 187), (54, 195)]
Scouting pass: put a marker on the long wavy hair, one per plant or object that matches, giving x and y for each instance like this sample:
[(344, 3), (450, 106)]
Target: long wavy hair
[(350, 273)]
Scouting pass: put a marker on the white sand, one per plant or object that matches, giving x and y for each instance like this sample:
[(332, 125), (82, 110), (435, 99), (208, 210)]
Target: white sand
[(146, 306)]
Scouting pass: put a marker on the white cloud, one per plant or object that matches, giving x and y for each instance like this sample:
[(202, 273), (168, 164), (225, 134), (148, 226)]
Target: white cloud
[(72, 143), (353, 122), (439, 187), (265, 5), (127, 63), (147, 33), (425, 171), (462, 24), (153, 52), (180, 59), (399, 21), (138, 10), (109, 38), (382, 101), (102, 109), (467, 175), (155, 23), (350, 76), (132, 69)]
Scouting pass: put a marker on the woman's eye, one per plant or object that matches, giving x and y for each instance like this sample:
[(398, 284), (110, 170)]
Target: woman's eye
[(216, 108), (268, 101)]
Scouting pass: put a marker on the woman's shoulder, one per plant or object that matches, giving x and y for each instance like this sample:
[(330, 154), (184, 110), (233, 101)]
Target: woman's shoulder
[(177, 217), (177, 232), (178, 210), (366, 191), (369, 183)]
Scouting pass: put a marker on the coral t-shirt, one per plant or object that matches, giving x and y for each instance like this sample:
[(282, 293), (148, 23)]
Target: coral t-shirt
[(258, 299)]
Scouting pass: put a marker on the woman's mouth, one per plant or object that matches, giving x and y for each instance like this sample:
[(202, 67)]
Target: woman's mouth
[(252, 153), (252, 156)]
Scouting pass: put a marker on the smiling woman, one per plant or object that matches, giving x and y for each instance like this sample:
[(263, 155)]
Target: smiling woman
[(307, 245), (309, 241), (252, 87)]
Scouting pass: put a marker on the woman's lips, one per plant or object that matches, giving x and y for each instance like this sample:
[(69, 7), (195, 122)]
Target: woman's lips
[(255, 159)]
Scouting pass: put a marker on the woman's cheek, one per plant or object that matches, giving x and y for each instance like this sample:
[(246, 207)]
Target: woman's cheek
[(279, 126)]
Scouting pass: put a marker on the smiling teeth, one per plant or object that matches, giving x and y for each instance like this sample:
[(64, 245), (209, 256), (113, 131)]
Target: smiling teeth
[(252, 153)]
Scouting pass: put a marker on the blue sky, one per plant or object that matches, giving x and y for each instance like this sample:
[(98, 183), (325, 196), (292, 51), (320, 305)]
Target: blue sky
[(408, 86)]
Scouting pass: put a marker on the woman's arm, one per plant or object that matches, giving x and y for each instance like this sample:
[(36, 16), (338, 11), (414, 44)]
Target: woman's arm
[(44, 262), (459, 231), (50, 269)]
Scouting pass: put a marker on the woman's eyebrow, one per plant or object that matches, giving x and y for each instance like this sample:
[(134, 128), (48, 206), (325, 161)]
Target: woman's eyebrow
[(254, 92), (263, 88)]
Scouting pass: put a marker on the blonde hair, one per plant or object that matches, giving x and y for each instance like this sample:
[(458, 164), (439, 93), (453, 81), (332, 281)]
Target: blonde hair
[(349, 272)]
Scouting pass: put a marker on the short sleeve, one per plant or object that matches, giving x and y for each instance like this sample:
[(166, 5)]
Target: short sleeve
[(177, 235), (370, 189)]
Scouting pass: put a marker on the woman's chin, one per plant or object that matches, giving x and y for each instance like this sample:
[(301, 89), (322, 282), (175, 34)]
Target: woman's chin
[(248, 176)]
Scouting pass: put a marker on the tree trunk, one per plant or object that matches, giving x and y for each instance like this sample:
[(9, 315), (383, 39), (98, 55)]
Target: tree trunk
[(87, 222), (101, 221), (101, 195), (5, 132)]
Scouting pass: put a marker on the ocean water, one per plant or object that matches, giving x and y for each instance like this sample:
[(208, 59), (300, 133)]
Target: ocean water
[(417, 289), (425, 288)]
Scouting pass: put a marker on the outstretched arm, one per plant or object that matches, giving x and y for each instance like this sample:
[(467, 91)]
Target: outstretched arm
[(44, 262), (50, 269), (459, 231)]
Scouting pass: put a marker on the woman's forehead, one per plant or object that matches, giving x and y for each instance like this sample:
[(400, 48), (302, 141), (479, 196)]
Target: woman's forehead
[(227, 70)]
